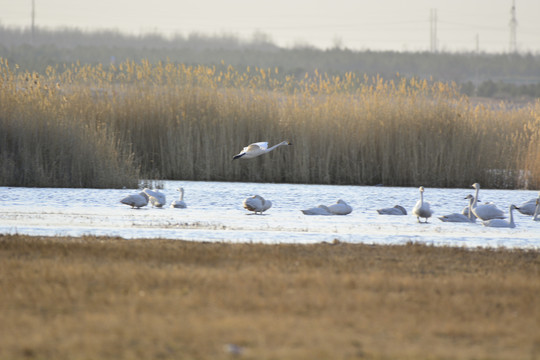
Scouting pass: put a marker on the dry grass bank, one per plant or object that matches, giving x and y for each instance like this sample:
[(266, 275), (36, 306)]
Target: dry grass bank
[(108, 127), (107, 298)]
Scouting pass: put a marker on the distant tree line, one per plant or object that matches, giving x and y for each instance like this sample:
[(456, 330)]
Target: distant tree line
[(501, 90), (478, 74)]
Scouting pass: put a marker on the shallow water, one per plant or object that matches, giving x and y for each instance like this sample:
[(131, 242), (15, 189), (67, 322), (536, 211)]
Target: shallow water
[(215, 213)]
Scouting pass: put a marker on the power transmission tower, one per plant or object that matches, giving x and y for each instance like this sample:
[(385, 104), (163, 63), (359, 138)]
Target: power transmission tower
[(513, 27), (33, 28), (433, 30)]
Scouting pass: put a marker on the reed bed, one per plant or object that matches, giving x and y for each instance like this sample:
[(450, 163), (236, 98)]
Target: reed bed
[(99, 126), (109, 298)]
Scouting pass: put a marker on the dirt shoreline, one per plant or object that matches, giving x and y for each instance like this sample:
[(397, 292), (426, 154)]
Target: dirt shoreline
[(111, 298)]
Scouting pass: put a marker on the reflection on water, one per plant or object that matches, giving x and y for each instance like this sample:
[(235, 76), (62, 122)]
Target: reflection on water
[(214, 213)]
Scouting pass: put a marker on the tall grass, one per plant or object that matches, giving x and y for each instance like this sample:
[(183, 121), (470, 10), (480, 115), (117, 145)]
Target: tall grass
[(97, 126), (51, 138)]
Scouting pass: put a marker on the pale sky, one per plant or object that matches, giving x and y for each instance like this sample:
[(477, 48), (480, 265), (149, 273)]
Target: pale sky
[(400, 25)]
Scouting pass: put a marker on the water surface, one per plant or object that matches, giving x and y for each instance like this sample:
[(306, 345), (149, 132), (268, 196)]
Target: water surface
[(215, 213)]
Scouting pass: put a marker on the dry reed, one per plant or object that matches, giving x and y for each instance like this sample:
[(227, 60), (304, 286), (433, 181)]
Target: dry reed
[(107, 298), (108, 127)]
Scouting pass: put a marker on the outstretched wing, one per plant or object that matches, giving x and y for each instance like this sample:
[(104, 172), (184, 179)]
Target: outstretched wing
[(256, 146)]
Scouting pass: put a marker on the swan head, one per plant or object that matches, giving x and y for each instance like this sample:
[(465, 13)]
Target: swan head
[(471, 197), (421, 189), (145, 195), (476, 185)]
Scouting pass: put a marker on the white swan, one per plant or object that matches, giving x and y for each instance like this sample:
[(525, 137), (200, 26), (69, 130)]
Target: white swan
[(179, 204), (257, 204), (422, 208), (136, 200), (500, 222), (456, 217), (158, 199), (528, 207), (396, 210), (467, 209), (340, 208), (536, 215), (319, 210), (257, 149), (486, 211)]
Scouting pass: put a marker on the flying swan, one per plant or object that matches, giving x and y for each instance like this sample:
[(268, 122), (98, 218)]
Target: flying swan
[(257, 149), (257, 204), (179, 204), (422, 209)]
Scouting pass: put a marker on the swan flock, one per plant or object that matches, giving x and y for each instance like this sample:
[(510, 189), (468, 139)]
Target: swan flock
[(488, 213)]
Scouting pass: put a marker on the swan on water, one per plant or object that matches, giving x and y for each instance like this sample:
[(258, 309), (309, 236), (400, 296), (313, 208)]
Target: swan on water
[(155, 202), (340, 208), (257, 149), (486, 211), (319, 210), (157, 199), (179, 204), (467, 210), (422, 208), (257, 204), (136, 200), (501, 222), (528, 207), (396, 210), (456, 217), (536, 215)]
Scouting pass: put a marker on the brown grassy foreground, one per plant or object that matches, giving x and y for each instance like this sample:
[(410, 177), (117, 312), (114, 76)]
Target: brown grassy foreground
[(107, 298)]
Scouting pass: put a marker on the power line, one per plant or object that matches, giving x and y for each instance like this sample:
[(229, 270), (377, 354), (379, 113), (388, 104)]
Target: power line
[(513, 26), (33, 20)]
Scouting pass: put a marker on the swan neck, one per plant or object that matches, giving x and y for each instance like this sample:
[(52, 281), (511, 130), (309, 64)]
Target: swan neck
[(511, 216), (277, 145)]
